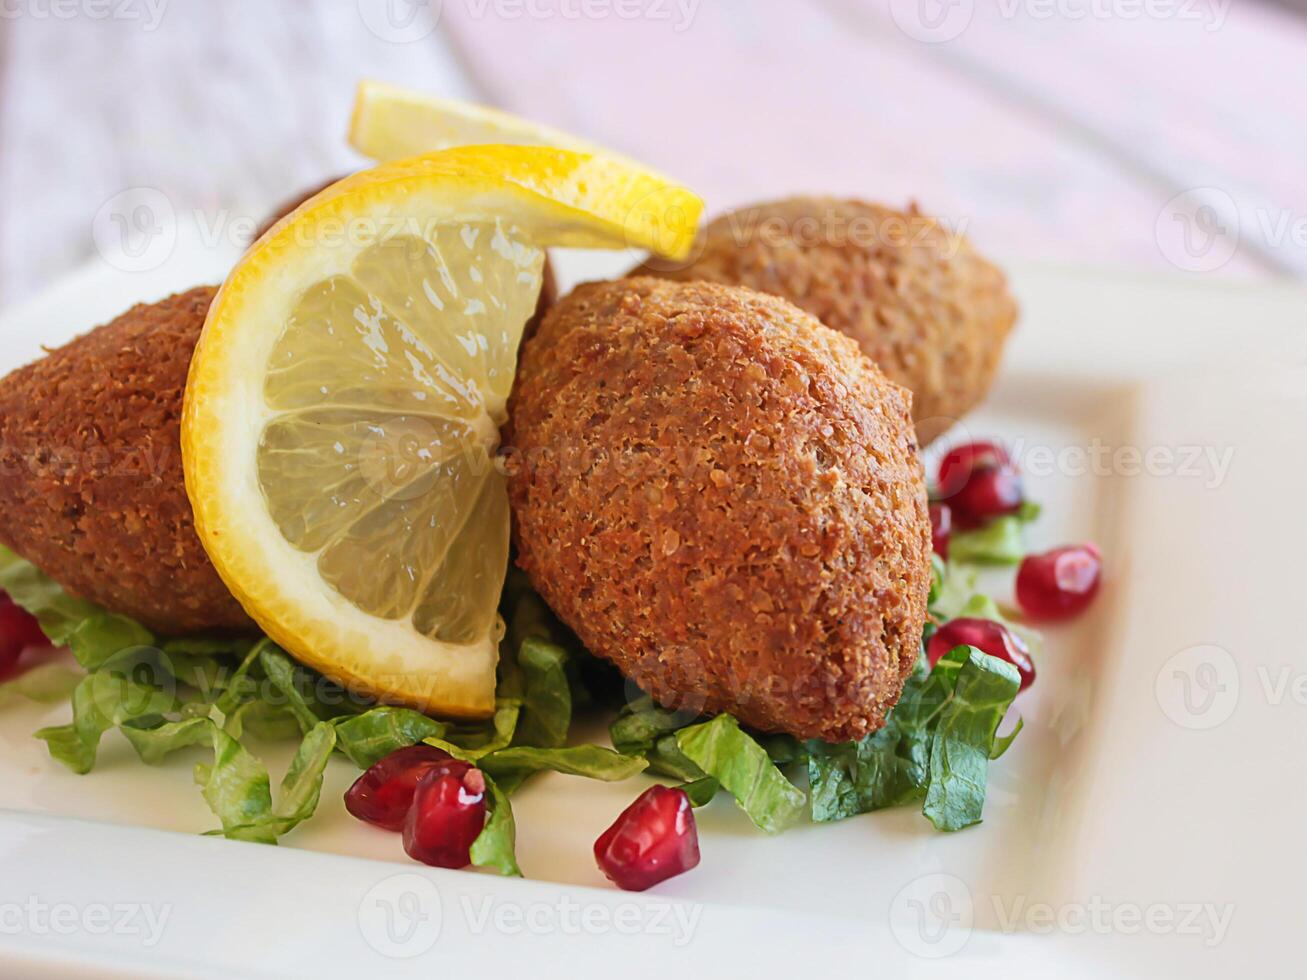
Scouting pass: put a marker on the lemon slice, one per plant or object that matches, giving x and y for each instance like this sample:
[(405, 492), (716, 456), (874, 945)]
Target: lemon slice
[(389, 122), (342, 414)]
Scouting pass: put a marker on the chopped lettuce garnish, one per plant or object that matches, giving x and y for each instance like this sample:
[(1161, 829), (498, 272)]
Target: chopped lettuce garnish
[(591, 761), (546, 694), (214, 690), (701, 791), (46, 683), (371, 736), (646, 728), (1000, 542), (496, 845), (722, 750), (102, 701), (976, 690), (934, 747), (471, 742)]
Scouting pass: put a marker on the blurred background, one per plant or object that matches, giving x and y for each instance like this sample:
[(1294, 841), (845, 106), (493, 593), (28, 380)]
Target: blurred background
[(1158, 136)]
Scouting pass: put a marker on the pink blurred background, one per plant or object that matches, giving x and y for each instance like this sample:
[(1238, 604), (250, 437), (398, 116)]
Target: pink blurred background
[(1161, 136)]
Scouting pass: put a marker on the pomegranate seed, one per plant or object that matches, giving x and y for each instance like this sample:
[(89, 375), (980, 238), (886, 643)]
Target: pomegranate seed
[(448, 812), (383, 795), (654, 839), (986, 636), (18, 631), (980, 482), (1059, 583), (941, 526)]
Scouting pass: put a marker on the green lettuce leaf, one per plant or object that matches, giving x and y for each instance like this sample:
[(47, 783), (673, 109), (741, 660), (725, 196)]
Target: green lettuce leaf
[(642, 722), (934, 746), (56, 611), (369, 737), (980, 689), (722, 750), (1000, 542), (591, 761), (236, 784), (701, 791), (546, 696), (495, 847), (102, 701), (471, 742), (645, 728), (45, 683)]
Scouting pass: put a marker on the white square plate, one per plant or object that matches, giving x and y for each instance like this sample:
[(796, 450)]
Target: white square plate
[(1139, 826)]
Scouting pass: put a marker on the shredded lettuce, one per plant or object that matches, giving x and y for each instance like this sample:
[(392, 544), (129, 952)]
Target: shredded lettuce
[(371, 736), (546, 694), (496, 845), (212, 691), (46, 683), (722, 750), (701, 791), (591, 761), (935, 746), (1000, 542)]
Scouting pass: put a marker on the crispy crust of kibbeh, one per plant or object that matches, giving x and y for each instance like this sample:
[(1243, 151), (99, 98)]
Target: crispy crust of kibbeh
[(724, 498), (91, 472), (922, 304)]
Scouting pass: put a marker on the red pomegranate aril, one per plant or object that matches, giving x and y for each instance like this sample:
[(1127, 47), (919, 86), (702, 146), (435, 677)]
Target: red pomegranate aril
[(986, 636), (956, 466), (941, 526), (654, 839), (18, 631), (448, 812), (383, 795), (980, 482), (1059, 583)]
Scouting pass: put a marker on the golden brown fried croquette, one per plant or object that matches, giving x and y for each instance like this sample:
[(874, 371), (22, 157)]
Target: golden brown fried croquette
[(548, 283), (91, 472), (724, 498), (915, 296)]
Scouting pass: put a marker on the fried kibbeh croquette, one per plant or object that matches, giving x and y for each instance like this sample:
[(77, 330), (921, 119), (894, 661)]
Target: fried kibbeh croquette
[(725, 499), (91, 485), (931, 312), (548, 283)]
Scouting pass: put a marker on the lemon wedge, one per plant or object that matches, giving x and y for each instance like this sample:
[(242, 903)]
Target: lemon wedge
[(342, 414), (389, 122)]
